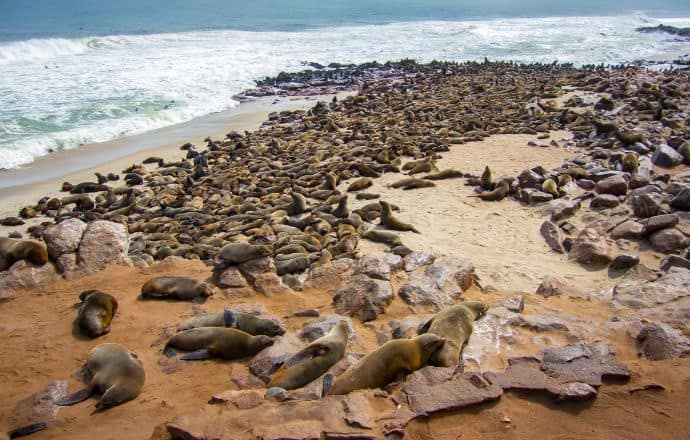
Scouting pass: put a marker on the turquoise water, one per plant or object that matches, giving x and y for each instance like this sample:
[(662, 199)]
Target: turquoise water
[(76, 72)]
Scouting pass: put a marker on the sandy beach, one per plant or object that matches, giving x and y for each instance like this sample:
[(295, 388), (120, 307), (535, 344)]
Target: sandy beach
[(586, 332)]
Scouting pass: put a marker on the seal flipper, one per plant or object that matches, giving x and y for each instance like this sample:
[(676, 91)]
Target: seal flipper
[(26, 430), (328, 380), (77, 397), (169, 351), (230, 318), (424, 326), (306, 354), (197, 355)]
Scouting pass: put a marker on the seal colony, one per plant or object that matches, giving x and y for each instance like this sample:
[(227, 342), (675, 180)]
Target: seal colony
[(268, 209)]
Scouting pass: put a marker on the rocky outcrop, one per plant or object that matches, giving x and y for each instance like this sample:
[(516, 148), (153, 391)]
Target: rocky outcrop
[(438, 284), (363, 297)]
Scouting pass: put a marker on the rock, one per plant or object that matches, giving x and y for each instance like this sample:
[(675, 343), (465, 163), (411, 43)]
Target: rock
[(515, 303), (329, 276), (567, 353), (261, 273), (576, 391), (363, 297), (231, 277), (552, 286), (623, 262), (269, 359), (407, 326), (539, 323), (667, 157), (317, 328), (659, 222), (644, 206), (658, 341), (529, 179), (103, 243), (553, 235), (589, 369), (673, 285), (40, 407), (240, 399), (586, 184), (674, 261), (25, 275), (616, 185), (537, 197), (466, 390), (378, 266), (630, 230), (590, 248), (682, 200), (522, 374), (668, 240), (604, 201), (439, 284), (240, 252), (560, 209), (417, 259), (292, 281), (64, 237)]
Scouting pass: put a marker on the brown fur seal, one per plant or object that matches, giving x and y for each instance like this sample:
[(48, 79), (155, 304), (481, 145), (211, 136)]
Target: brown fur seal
[(116, 372), (298, 204), (360, 184), (388, 220), (175, 287), (455, 325), (341, 211), (207, 342), (248, 323), (576, 173), (445, 174), (367, 196), (684, 150), (550, 187), (385, 237), (499, 193), (313, 360), (240, 252), (96, 312), (412, 183), (487, 180), (13, 250), (385, 364), (630, 162)]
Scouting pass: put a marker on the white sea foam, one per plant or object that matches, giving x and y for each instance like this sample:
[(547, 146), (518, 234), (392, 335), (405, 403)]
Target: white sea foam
[(58, 93)]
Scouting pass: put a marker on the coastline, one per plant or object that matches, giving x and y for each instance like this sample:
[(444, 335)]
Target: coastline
[(27, 184)]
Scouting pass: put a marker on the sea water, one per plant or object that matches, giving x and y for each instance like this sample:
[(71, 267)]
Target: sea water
[(81, 71)]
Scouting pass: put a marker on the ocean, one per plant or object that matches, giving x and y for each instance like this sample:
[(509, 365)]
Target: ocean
[(75, 72)]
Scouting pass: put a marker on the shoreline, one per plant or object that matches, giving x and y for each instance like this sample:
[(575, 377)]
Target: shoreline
[(43, 177)]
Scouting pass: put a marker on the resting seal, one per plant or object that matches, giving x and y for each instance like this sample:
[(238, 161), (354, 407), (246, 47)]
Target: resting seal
[(455, 325), (175, 287), (246, 322), (116, 372), (207, 342), (313, 360), (388, 220), (13, 250), (96, 312), (383, 365)]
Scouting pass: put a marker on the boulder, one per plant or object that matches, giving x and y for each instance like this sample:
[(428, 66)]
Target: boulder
[(645, 205), (379, 266), (25, 275), (552, 286), (553, 235), (615, 185), (604, 201), (659, 222), (624, 262), (673, 285), (264, 364), (363, 297), (329, 276), (590, 248), (674, 261), (681, 201), (64, 237), (317, 328), (417, 259), (658, 341), (439, 284), (666, 157), (103, 243), (629, 230), (668, 240), (515, 303), (561, 208), (231, 277)]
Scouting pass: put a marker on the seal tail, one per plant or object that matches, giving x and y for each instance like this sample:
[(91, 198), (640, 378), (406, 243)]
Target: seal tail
[(169, 351), (415, 230), (327, 384), (77, 397), (26, 430)]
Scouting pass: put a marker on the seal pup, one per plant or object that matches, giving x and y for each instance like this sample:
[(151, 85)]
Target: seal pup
[(550, 187), (252, 324), (313, 360), (208, 342), (175, 287), (385, 364), (389, 221), (455, 325), (116, 372), (13, 250), (96, 312), (499, 193)]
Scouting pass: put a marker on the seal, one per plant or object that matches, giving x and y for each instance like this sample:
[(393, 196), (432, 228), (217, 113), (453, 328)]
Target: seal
[(360, 184), (550, 187), (385, 364), (116, 372), (208, 342), (175, 287), (248, 323), (384, 237), (445, 174), (96, 312), (341, 211), (455, 325), (298, 204), (630, 162), (412, 183), (313, 360), (499, 193), (240, 252), (388, 220), (13, 250), (487, 180)]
